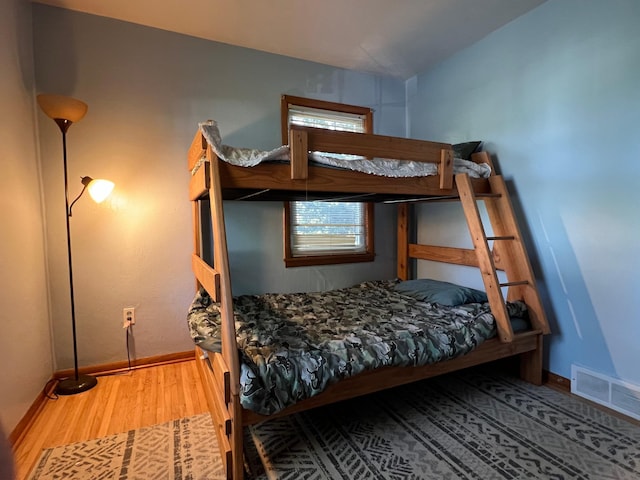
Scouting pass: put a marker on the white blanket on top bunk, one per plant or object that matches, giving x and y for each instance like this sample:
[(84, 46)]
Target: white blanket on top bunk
[(386, 167)]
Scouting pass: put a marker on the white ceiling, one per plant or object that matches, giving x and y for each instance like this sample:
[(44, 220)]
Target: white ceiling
[(390, 37)]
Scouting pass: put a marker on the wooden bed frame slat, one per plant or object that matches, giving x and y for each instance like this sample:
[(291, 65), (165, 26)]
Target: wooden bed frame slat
[(199, 183), (221, 372), (320, 179), (389, 377), (197, 150), (219, 412), (456, 256), (223, 416), (370, 145), (208, 277)]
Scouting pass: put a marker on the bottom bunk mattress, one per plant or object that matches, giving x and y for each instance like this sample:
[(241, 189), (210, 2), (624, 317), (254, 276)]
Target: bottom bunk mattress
[(293, 345)]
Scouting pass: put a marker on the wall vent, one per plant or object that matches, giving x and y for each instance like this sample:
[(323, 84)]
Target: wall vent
[(617, 395)]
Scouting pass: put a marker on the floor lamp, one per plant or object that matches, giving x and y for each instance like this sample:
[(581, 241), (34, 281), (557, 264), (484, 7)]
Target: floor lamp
[(65, 111)]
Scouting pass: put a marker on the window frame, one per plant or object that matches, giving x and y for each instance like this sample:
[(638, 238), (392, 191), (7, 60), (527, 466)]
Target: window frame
[(334, 258)]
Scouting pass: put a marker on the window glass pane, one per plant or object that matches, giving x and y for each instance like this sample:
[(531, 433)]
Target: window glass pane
[(312, 117), (330, 120), (320, 228)]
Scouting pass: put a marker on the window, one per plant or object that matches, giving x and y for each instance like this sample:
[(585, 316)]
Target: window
[(325, 232)]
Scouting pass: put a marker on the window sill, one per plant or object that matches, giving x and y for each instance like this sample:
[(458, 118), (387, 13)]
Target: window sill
[(328, 259)]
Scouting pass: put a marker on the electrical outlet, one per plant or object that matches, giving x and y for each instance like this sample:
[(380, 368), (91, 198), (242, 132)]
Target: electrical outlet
[(128, 317)]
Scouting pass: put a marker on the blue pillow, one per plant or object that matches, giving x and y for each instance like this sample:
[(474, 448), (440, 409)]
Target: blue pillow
[(444, 293), (464, 150)]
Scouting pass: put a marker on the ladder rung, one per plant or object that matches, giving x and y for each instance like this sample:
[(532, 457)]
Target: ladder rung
[(510, 284), (504, 237)]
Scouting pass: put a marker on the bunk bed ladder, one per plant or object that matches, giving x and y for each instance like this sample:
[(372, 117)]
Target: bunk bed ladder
[(509, 254)]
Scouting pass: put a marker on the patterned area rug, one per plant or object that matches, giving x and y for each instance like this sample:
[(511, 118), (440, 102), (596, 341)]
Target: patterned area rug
[(182, 449), (471, 425), (468, 425)]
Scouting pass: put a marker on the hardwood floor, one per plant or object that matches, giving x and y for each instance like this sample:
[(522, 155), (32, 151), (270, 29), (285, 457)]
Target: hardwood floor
[(119, 403)]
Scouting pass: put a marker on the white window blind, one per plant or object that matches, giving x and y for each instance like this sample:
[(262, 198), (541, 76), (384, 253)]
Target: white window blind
[(325, 228), (322, 228), (314, 117)]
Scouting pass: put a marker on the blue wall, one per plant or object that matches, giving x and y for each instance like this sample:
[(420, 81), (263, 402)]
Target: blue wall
[(555, 96)]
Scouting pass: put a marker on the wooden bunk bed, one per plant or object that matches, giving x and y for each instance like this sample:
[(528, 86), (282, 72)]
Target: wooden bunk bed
[(217, 180)]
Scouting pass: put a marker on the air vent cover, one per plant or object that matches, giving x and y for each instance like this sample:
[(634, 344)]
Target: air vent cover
[(623, 397)]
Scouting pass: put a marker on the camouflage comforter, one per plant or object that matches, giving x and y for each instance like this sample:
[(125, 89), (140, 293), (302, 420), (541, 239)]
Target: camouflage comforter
[(293, 345)]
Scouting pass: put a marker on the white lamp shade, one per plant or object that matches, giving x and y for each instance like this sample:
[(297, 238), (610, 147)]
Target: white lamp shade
[(100, 189), (61, 107)]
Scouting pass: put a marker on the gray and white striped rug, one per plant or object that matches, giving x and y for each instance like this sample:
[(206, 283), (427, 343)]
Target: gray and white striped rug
[(181, 449), (470, 425)]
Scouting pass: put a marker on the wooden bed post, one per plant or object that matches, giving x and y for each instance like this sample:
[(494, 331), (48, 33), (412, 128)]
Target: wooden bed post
[(197, 250), (403, 241), (229, 342), (531, 363), (445, 169), (299, 153)]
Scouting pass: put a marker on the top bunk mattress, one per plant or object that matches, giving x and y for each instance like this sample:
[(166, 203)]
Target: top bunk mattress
[(292, 346), (385, 167)]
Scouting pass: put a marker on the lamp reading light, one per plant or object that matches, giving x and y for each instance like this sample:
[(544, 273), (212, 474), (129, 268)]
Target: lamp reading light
[(99, 189)]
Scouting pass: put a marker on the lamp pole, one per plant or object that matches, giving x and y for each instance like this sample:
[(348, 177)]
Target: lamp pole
[(79, 383), (69, 258)]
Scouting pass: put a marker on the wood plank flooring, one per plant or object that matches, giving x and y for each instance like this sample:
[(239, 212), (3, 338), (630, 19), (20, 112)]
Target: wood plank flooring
[(119, 403)]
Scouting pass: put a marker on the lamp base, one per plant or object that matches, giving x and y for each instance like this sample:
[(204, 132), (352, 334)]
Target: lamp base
[(71, 386)]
